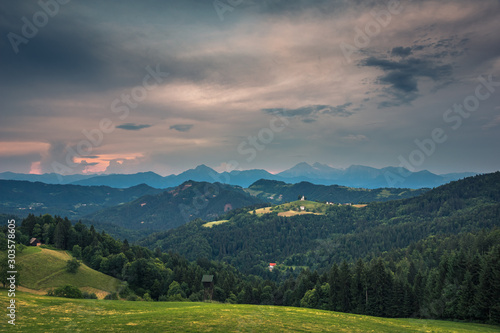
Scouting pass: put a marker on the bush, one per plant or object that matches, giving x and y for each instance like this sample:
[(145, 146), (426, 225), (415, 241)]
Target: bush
[(67, 291), (113, 296), (147, 297), (196, 297), (231, 299), (87, 295), (132, 298), (72, 266), (125, 290), (176, 298)]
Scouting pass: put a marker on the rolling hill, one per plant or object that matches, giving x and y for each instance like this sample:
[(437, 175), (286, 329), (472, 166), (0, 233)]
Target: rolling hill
[(23, 197), (173, 208), (118, 316), (278, 192), (248, 241), (44, 269)]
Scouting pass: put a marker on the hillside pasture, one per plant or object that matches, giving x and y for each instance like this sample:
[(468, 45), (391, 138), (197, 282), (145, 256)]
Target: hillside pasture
[(43, 269), (211, 224)]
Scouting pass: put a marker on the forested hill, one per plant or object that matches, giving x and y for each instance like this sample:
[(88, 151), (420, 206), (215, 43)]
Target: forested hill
[(177, 206), (74, 201), (250, 242), (278, 192)]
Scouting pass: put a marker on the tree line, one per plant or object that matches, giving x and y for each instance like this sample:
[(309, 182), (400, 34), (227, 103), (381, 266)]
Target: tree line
[(440, 277)]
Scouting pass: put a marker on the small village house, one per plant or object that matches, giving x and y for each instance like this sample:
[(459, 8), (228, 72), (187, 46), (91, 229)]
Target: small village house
[(35, 242)]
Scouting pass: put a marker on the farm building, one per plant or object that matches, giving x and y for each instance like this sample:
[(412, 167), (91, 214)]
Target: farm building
[(35, 242)]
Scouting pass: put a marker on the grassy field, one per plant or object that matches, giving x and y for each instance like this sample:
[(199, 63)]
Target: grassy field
[(360, 206), (43, 269), (211, 224), (293, 208), (289, 213), (51, 314)]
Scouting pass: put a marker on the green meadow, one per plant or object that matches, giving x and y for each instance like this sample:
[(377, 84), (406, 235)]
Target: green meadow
[(51, 314), (43, 269)]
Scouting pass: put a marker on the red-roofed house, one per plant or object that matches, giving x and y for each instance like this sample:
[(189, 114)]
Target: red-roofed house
[(271, 266)]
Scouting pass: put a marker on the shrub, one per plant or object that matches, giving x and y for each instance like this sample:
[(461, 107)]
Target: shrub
[(72, 266), (125, 290), (196, 297), (113, 296), (176, 298), (67, 291), (87, 295)]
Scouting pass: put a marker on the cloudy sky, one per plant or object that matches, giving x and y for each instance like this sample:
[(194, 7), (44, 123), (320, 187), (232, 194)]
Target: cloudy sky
[(128, 86)]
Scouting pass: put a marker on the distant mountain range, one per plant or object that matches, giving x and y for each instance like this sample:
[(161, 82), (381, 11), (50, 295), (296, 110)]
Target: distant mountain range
[(321, 174)]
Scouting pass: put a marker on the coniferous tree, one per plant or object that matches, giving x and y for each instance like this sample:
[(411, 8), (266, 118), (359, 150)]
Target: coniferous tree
[(344, 285), (359, 289)]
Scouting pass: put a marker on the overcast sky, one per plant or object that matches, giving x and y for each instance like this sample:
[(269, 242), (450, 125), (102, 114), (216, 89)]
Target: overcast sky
[(167, 85)]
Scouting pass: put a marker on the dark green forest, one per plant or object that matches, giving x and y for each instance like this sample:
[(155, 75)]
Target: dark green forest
[(347, 233)]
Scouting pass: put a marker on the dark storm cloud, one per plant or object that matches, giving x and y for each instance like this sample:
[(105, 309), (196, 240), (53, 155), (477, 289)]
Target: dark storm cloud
[(182, 127), (69, 55), (80, 50), (310, 113), (401, 51), (402, 76), (132, 126)]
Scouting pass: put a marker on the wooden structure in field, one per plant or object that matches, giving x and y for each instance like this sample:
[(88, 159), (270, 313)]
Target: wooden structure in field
[(208, 284)]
